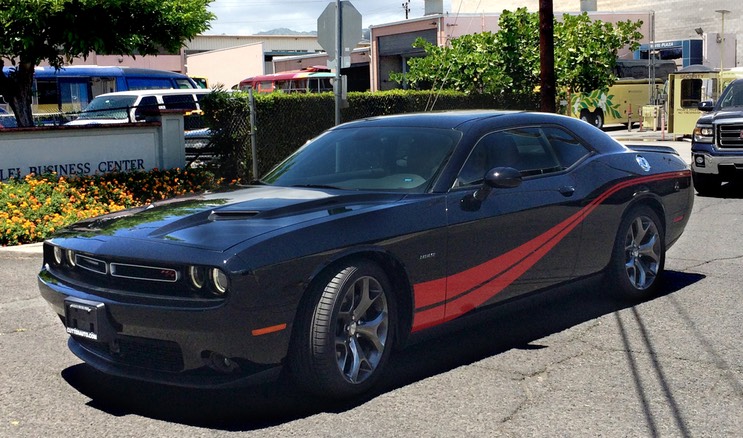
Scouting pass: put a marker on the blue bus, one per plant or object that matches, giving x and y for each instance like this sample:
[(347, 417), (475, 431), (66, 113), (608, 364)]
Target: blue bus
[(71, 88)]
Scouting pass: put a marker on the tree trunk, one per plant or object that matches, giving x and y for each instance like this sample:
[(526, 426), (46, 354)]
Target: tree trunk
[(17, 89)]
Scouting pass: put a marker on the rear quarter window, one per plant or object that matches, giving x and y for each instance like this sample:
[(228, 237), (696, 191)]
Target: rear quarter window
[(181, 101)]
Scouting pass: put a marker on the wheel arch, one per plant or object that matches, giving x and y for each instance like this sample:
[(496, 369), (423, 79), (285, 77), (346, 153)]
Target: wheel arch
[(653, 202)]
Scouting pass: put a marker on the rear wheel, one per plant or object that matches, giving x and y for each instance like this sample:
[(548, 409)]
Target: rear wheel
[(345, 332), (586, 116), (638, 257), (706, 184), (598, 118)]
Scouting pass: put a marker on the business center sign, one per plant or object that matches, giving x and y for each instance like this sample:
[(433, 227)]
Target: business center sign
[(76, 152)]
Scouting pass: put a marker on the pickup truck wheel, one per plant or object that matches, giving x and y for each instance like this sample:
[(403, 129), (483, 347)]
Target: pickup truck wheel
[(706, 184)]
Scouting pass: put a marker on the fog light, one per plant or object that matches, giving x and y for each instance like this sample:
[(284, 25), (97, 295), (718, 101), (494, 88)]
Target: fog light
[(221, 363), (70, 256), (58, 255), (699, 160)]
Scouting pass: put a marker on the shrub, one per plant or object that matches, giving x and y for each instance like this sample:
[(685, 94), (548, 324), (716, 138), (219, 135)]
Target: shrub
[(34, 207)]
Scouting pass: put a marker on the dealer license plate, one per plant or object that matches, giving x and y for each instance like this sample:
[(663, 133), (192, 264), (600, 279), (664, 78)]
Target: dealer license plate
[(84, 318)]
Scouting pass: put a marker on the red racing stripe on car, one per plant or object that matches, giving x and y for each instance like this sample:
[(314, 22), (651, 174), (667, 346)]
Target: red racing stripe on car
[(471, 288)]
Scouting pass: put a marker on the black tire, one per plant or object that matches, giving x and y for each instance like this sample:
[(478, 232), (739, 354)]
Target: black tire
[(706, 184), (598, 118), (345, 332), (639, 255), (586, 116)]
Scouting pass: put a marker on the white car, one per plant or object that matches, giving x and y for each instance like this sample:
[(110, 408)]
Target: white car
[(134, 106)]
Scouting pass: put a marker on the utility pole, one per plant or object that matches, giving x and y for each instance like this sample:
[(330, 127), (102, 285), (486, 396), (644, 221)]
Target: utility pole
[(406, 7), (547, 92), (337, 83)]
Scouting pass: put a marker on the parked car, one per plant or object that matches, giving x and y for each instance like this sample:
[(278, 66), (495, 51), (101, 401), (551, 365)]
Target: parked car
[(369, 235), (7, 120), (717, 144), (137, 105), (199, 147)]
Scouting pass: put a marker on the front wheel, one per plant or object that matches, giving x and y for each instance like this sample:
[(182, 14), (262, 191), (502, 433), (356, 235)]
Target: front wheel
[(706, 184), (345, 332), (638, 256)]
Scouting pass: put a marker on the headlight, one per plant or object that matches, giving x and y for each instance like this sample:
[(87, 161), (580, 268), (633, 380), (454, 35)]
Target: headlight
[(704, 134), (70, 256), (219, 281), (197, 275), (58, 255)]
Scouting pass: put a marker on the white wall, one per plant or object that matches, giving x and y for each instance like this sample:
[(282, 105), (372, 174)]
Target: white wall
[(87, 150)]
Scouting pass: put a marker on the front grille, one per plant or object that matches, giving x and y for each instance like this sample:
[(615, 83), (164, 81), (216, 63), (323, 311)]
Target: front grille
[(138, 272), (730, 135), (139, 352)]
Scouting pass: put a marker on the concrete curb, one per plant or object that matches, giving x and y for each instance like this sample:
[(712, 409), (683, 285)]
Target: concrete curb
[(31, 248)]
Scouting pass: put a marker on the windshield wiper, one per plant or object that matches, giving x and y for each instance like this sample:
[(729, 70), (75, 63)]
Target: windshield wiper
[(317, 186)]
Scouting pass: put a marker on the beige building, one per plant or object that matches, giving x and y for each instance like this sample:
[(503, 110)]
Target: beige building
[(674, 19)]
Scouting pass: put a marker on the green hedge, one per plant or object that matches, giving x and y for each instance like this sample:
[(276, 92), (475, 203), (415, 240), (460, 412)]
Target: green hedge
[(286, 121)]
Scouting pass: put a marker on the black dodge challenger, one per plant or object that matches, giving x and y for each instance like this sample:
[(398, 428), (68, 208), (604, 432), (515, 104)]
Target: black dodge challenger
[(371, 233)]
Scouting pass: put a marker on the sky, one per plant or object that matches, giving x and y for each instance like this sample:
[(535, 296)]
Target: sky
[(248, 17)]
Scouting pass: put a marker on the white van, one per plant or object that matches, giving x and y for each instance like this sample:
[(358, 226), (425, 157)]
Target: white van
[(134, 106)]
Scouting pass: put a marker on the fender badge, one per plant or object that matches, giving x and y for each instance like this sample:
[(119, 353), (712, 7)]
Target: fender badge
[(643, 163)]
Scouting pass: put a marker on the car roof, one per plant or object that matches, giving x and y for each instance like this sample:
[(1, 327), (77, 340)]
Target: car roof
[(157, 92), (440, 119), (455, 119)]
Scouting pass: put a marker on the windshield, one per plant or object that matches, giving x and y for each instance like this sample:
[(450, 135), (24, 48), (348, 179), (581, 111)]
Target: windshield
[(108, 108), (732, 96), (369, 158)]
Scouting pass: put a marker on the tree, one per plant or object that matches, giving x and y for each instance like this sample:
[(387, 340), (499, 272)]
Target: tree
[(587, 54), (466, 65), (509, 60), (56, 31)]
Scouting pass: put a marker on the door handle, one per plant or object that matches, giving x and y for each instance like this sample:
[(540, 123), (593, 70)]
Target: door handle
[(567, 190)]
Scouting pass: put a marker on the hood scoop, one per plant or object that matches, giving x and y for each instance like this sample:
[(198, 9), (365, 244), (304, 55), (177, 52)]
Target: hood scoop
[(230, 215)]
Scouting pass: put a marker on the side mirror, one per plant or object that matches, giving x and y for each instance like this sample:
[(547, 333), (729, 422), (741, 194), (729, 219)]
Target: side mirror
[(496, 178), (706, 106)]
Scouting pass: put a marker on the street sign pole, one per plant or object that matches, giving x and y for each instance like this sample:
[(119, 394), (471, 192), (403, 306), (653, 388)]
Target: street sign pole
[(338, 31), (338, 57)]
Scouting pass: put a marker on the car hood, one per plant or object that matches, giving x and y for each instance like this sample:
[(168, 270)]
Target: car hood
[(218, 221), (722, 115)]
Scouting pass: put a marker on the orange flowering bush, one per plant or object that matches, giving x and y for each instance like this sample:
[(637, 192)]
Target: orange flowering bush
[(33, 207)]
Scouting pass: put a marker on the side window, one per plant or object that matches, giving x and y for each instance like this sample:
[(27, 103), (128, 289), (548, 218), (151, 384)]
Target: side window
[(530, 150), (146, 105), (566, 147), (148, 83), (184, 83)]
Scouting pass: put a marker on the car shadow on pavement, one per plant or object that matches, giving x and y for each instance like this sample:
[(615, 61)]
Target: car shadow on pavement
[(525, 320), (730, 190)]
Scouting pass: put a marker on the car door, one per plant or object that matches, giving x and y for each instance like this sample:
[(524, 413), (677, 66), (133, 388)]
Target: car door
[(518, 239)]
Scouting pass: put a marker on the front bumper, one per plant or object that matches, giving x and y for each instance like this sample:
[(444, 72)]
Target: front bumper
[(202, 347), (707, 159)]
